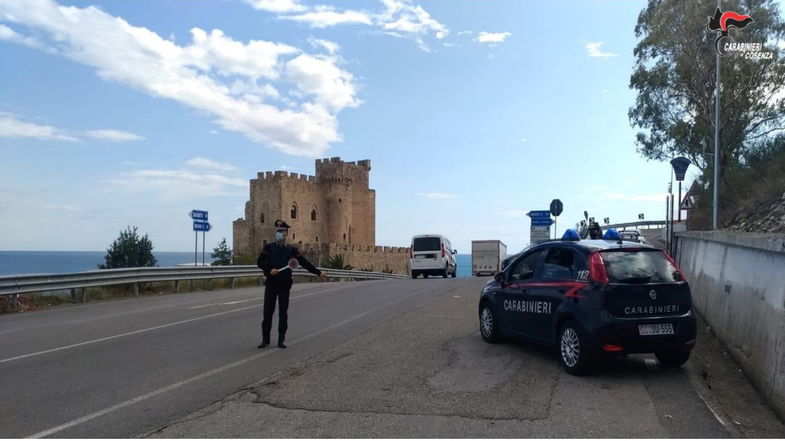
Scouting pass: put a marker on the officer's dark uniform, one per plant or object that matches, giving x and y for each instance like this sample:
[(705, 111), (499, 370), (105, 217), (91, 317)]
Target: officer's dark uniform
[(275, 255)]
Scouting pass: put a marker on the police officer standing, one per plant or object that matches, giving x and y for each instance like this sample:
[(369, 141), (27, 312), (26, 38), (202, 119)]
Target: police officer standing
[(277, 260)]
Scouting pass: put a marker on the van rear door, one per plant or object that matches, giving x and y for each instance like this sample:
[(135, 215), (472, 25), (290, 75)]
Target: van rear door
[(426, 249)]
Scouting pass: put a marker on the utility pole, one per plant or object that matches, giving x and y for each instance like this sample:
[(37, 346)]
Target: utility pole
[(716, 143)]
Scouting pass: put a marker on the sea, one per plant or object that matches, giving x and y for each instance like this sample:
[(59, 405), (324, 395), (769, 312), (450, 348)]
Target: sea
[(58, 262)]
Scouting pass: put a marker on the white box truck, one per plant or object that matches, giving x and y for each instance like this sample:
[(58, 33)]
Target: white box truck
[(487, 256)]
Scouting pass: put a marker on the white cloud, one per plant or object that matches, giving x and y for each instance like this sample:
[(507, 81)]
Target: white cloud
[(331, 87), (209, 164), (637, 197), (403, 16), (12, 127), (435, 196), (197, 74), (213, 132), (524, 139), (492, 37), (465, 33), (113, 135), (325, 16), (276, 5), (593, 50), (331, 46), (177, 185), (288, 168), (400, 18), (9, 34)]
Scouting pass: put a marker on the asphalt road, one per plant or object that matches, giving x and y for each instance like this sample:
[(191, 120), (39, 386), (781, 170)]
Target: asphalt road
[(396, 358)]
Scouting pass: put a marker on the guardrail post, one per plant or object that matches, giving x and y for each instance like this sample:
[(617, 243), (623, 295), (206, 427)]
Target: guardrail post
[(231, 282), (84, 295), (209, 284), (136, 289), (176, 284), (14, 302), (73, 295)]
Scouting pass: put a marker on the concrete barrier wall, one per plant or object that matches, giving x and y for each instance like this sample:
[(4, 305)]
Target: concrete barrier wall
[(738, 286)]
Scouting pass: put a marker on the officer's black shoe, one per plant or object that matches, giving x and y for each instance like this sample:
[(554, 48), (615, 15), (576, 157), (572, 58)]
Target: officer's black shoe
[(280, 344), (263, 344)]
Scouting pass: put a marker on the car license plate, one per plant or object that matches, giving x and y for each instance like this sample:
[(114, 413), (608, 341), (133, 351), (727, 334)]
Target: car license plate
[(658, 329)]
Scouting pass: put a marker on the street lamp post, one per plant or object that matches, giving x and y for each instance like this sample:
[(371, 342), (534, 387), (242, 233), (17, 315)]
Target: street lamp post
[(680, 166), (716, 142)]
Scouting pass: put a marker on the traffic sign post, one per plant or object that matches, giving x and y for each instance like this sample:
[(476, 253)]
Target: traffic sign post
[(200, 224), (540, 225), (688, 203), (540, 234), (556, 209), (680, 165)]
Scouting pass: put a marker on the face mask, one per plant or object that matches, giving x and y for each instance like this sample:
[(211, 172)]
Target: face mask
[(279, 236)]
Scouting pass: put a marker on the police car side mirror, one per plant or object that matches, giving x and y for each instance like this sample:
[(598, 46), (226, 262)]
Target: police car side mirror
[(499, 277), (455, 251)]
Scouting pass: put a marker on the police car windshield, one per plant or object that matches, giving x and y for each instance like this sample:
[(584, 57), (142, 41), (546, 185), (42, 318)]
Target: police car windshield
[(638, 267), (427, 244)]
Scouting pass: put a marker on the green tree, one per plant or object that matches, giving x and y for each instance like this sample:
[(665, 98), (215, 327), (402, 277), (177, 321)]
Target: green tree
[(674, 77), (337, 262), (223, 253), (129, 251)]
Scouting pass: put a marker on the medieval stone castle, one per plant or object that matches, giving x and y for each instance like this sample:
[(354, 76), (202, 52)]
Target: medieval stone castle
[(331, 213)]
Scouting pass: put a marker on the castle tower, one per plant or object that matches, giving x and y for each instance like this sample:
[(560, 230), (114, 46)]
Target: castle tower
[(334, 207)]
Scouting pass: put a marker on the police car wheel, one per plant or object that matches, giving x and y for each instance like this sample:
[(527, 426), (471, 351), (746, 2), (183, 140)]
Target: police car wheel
[(444, 273), (488, 328), (573, 351), (672, 358)]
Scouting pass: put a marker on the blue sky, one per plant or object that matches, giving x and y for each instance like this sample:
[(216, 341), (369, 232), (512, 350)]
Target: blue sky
[(472, 113)]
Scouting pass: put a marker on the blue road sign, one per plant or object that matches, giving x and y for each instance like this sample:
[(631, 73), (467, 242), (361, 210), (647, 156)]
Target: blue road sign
[(539, 213), (542, 222), (201, 226), (198, 215)]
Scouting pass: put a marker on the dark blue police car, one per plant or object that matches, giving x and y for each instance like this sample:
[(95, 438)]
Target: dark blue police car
[(592, 297)]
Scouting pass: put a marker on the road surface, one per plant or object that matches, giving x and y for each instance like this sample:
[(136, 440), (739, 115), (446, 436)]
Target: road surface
[(398, 358)]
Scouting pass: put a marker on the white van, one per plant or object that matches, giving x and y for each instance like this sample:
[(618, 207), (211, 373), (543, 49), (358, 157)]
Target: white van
[(432, 255)]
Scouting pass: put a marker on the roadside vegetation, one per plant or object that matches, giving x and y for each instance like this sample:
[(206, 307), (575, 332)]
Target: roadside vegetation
[(674, 78), (129, 250)]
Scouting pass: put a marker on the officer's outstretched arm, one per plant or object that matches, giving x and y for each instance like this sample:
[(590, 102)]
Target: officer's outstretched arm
[(307, 265)]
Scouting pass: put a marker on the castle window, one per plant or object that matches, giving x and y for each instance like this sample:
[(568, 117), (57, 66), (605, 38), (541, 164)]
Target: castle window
[(292, 236), (340, 200), (294, 211), (344, 237), (313, 214), (261, 218), (317, 239)]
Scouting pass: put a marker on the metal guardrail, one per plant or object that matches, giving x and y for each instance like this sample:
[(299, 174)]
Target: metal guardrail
[(636, 224), (27, 283)]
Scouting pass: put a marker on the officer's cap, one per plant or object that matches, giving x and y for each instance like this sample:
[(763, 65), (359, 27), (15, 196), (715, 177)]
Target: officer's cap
[(281, 224)]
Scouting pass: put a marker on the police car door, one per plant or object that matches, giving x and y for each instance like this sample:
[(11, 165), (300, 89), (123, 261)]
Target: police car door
[(557, 277), (514, 304)]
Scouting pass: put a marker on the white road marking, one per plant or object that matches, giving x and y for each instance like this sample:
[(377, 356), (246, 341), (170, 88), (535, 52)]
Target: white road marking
[(139, 331), (220, 304), (207, 374)]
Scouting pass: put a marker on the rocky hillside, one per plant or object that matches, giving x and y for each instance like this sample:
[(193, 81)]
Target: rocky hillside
[(765, 218)]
